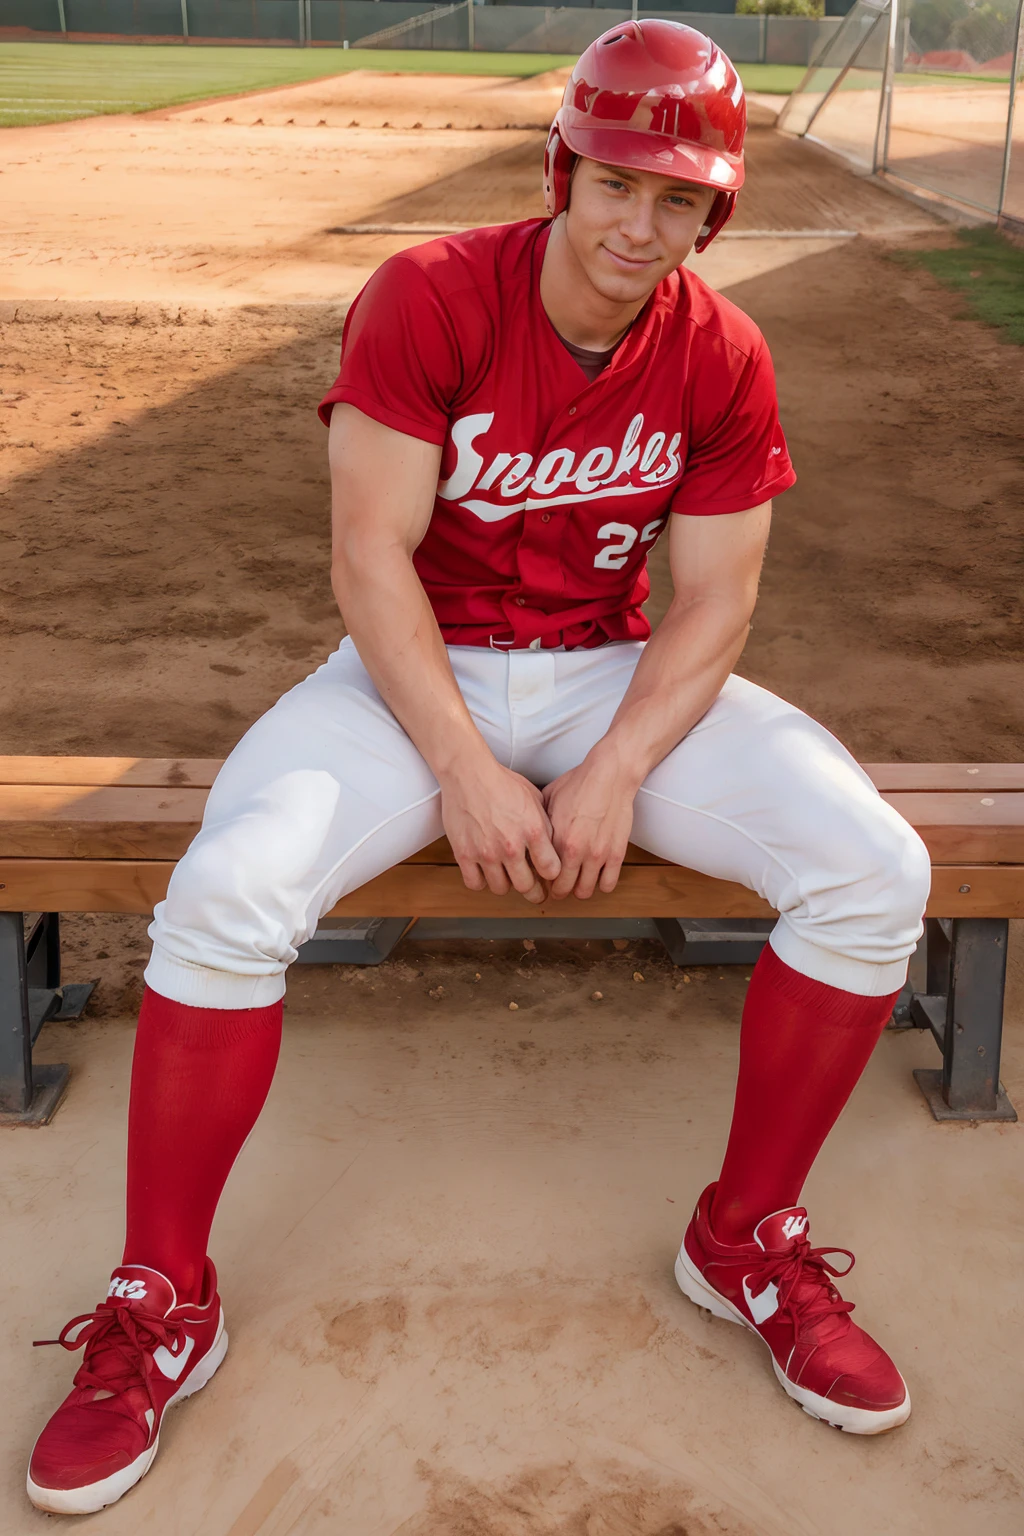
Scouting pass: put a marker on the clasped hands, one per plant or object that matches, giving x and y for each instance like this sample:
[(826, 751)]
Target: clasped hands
[(567, 839)]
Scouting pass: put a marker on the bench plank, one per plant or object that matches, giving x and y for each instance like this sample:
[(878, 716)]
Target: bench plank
[(432, 890), (980, 778), (82, 821), (199, 773), (121, 821), (959, 828), (140, 772)]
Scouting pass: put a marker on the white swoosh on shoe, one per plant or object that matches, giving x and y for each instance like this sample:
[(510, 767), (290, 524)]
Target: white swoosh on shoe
[(762, 1306), (172, 1366)]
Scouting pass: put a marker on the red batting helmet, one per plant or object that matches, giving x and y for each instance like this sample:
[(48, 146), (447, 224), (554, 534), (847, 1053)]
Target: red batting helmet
[(654, 96)]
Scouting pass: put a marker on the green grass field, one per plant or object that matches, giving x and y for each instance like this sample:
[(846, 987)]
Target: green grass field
[(52, 82), (987, 270)]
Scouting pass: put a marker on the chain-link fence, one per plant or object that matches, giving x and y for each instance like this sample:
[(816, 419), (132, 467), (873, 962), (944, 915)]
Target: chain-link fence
[(497, 28), (924, 91)]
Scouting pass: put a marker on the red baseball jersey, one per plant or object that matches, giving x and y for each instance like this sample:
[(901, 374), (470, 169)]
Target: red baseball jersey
[(553, 490)]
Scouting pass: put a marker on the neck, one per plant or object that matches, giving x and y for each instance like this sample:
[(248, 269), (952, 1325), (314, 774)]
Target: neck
[(572, 303)]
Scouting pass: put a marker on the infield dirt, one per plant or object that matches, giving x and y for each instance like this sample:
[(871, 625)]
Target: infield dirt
[(446, 1253)]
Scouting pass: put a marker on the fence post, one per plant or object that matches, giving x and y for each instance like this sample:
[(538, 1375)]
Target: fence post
[(302, 22), (762, 38), (1014, 71), (63, 18), (184, 18), (635, 9), (881, 154), (471, 24)]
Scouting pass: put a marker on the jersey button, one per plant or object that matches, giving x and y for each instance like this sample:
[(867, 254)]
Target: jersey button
[(572, 410), (545, 517), (521, 602)]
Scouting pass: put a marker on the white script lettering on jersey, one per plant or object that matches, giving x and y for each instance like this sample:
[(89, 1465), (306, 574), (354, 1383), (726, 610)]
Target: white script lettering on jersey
[(131, 1290), (599, 472)]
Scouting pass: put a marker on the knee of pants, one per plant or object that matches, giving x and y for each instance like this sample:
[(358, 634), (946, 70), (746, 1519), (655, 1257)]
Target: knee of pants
[(882, 907), (237, 902), (905, 875)]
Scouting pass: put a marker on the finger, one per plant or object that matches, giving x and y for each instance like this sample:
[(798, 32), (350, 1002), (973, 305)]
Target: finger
[(525, 881), (587, 880), (565, 883), (610, 876), (523, 878), (497, 880), (473, 877), (543, 857), (536, 892)]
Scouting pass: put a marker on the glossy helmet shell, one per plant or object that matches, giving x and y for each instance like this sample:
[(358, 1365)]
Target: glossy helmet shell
[(652, 96)]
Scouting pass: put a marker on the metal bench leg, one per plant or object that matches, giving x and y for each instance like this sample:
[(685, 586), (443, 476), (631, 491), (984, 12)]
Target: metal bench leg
[(31, 993), (963, 1008), (15, 1029)]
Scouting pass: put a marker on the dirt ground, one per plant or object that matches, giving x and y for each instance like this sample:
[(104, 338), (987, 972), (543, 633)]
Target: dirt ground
[(446, 1252)]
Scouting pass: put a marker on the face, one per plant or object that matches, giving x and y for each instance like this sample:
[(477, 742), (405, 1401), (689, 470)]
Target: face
[(629, 229)]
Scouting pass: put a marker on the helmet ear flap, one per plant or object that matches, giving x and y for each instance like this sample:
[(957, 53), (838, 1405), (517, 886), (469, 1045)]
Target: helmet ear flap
[(721, 212), (558, 163)]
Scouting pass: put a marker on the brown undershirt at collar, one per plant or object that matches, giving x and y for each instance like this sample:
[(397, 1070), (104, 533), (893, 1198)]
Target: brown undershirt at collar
[(592, 363)]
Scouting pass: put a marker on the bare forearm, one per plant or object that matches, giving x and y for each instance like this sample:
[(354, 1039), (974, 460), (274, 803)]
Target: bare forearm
[(678, 678), (389, 618)]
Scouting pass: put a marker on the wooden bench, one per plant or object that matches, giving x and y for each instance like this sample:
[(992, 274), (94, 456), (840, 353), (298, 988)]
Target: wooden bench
[(103, 834)]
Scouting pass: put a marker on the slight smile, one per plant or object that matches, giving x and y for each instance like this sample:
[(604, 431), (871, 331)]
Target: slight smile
[(633, 263)]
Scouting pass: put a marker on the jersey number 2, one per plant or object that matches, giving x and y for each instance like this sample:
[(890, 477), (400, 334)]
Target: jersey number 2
[(614, 557)]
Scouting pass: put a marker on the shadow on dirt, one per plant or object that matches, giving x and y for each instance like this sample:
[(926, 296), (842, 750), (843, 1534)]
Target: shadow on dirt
[(165, 582)]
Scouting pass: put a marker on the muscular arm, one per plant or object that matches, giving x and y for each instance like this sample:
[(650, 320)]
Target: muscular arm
[(382, 496), (715, 564)]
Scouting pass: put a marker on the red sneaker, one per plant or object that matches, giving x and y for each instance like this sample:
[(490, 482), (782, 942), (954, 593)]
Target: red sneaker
[(142, 1352), (781, 1288)]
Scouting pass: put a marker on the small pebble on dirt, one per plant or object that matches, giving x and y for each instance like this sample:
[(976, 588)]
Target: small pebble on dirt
[(476, 976), (620, 943), (436, 992), (637, 976), (529, 946), (595, 997), (513, 1007), (687, 980)]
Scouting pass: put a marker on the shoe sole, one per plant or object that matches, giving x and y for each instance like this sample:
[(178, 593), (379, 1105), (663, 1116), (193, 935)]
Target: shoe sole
[(93, 1497), (854, 1421)]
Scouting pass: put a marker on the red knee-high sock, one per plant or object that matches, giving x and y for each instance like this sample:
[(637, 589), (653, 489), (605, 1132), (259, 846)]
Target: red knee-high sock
[(803, 1045), (200, 1077)]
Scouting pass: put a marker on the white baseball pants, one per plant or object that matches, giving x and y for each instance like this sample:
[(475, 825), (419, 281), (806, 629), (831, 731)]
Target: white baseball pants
[(327, 790)]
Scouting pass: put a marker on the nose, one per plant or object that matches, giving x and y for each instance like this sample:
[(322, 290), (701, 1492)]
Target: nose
[(637, 222)]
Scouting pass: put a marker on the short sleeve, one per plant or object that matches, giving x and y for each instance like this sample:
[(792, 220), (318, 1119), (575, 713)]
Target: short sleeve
[(737, 456), (400, 360)]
